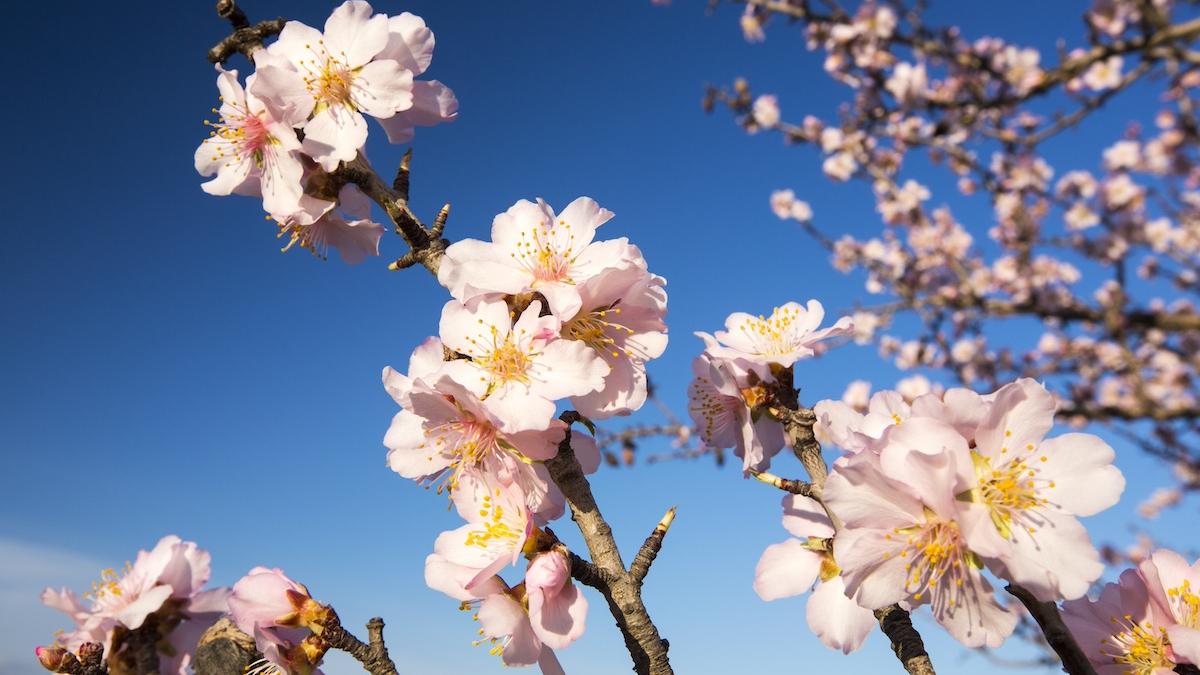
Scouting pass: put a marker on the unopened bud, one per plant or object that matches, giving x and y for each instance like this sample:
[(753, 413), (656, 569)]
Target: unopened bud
[(52, 658)]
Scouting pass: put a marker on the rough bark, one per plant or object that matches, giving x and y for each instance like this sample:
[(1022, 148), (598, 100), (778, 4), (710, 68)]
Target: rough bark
[(620, 588), (1058, 636)]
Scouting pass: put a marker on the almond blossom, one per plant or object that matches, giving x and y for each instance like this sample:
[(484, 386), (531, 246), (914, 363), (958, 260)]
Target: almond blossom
[(1123, 632), (520, 367), (498, 526), (505, 622), (793, 566), (166, 581), (446, 431), (410, 43), (1174, 587), (902, 543), (279, 614), (557, 609), (331, 79), (252, 149), (724, 403), (1026, 491), (789, 334), (535, 250), (354, 234), (621, 318)]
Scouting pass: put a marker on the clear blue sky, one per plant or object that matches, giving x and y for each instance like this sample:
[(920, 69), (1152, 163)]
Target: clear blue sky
[(166, 370)]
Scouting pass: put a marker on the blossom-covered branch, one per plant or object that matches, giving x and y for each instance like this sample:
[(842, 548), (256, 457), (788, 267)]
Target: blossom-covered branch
[(1120, 351)]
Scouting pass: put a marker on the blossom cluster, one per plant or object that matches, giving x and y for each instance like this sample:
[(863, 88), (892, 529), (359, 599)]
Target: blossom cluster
[(540, 315), (1057, 244), (162, 589), (730, 398), (1146, 622), (300, 115), (933, 493)]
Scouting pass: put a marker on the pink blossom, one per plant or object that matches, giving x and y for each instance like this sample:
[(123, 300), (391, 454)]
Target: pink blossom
[(788, 335), (498, 525), (557, 610), (621, 319), (252, 150), (793, 566), (520, 367), (765, 111), (1025, 492), (1105, 74), (901, 541), (167, 581), (535, 250), (410, 43), (446, 431), (839, 424), (722, 402), (354, 234), (335, 77), (908, 83), (505, 622), (1174, 587), (266, 598), (1122, 631)]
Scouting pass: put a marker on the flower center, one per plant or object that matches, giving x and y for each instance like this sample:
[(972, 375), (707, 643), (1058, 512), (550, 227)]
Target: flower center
[(506, 361), (595, 330), (495, 530), (329, 78), (1011, 489), (1140, 646), (770, 334), (239, 135), (936, 551), (1185, 604), (546, 251)]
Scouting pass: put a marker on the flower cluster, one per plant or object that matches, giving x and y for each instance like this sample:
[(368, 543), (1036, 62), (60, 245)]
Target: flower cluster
[(300, 116), (731, 399), (933, 493), (162, 591), (541, 315), (1146, 622)]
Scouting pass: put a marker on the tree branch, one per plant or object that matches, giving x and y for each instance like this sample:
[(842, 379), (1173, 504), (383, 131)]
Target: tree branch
[(245, 38), (618, 585), (373, 656), (906, 641), (1058, 636), (650, 548)]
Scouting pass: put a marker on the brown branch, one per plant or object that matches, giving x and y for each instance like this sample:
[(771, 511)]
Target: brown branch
[(796, 487), (245, 38), (1058, 636), (373, 656), (618, 585), (906, 641), (426, 246), (650, 548)]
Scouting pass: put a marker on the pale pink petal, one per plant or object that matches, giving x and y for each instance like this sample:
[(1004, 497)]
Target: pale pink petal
[(836, 620), (1081, 467), (785, 569), (353, 34), (804, 517), (410, 42), (334, 135), (133, 614), (382, 88), (1021, 415)]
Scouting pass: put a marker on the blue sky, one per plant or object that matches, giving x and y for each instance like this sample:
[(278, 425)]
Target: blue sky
[(166, 370)]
